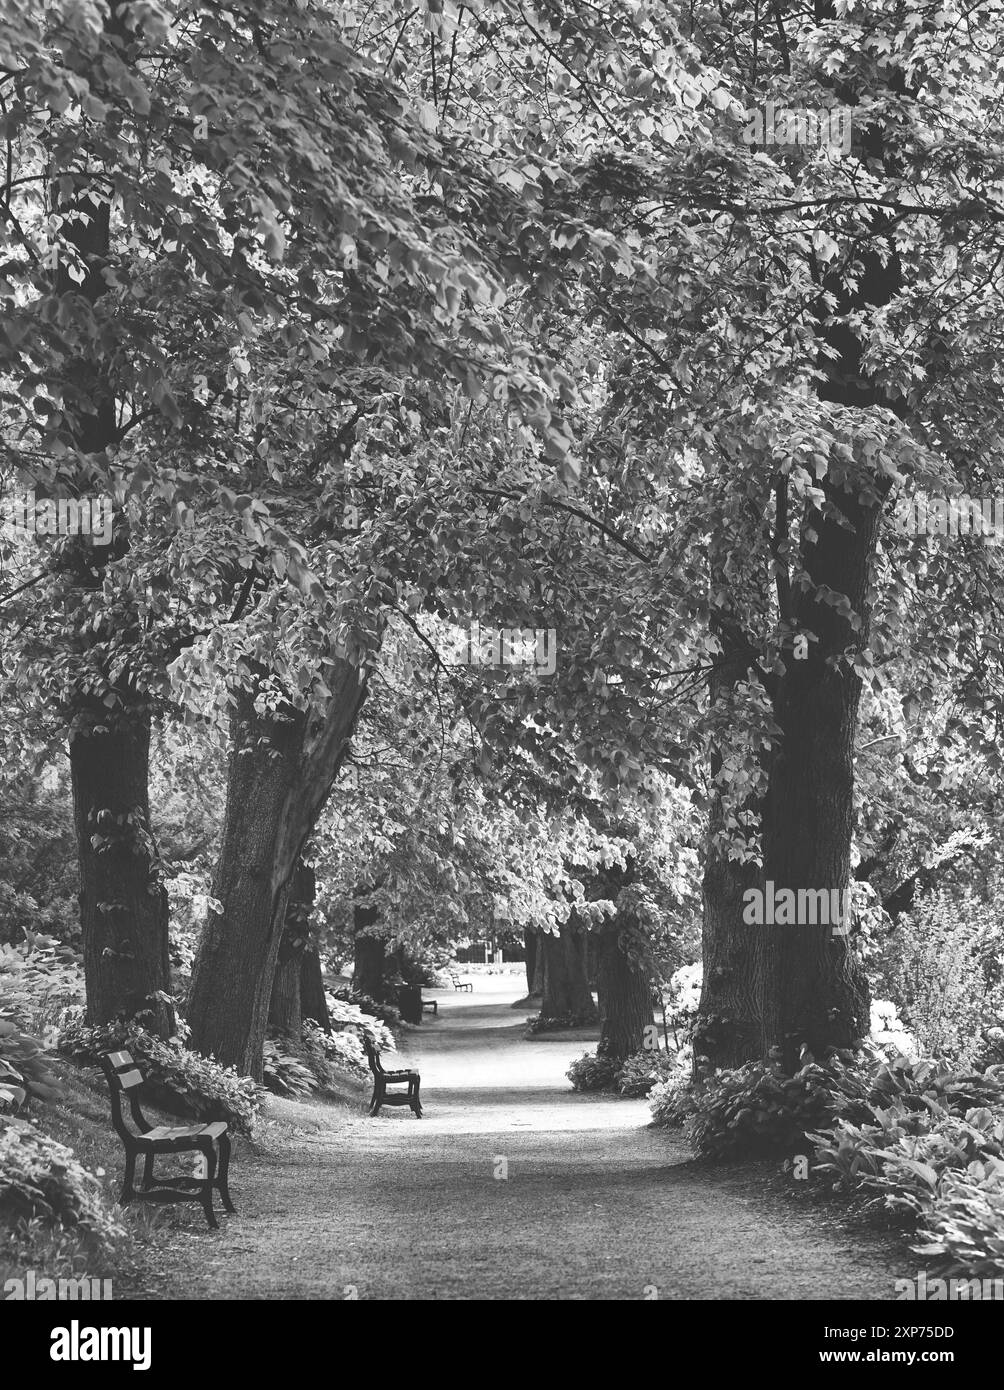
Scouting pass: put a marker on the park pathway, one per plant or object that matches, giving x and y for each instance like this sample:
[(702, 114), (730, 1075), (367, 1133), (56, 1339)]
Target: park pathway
[(592, 1203)]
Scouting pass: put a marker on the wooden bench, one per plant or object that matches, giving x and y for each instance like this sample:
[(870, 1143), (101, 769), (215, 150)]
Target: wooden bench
[(146, 1141), (432, 1004), (458, 983), (382, 1079)]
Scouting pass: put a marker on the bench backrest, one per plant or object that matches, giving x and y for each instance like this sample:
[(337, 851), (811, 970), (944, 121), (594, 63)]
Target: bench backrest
[(373, 1057), (124, 1080)]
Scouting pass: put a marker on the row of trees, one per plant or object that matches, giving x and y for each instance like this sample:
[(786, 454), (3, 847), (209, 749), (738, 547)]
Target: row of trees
[(412, 315)]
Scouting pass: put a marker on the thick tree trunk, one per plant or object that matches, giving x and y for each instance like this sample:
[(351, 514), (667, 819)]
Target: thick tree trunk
[(313, 1001), (534, 965), (816, 993), (281, 772), (625, 998), (285, 1012), (566, 991), (123, 904), (369, 955)]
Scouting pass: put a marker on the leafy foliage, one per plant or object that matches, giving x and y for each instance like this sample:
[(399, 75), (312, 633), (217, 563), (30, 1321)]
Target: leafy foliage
[(179, 1080), (285, 1073), (24, 1074), (42, 1179), (592, 1073)]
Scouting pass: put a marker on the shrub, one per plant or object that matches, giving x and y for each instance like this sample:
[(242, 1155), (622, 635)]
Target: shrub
[(325, 1051), (964, 1223), (40, 980), (930, 1148), (638, 1074), (669, 1100), (43, 1180), (683, 998), (24, 1072), (284, 1073), (941, 963), (182, 1081), (386, 1013), (346, 1015), (904, 1153), (592, 1073), (756, 1109), (553, 1024)]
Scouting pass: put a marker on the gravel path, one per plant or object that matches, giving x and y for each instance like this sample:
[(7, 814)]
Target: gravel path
[(592, 1204)]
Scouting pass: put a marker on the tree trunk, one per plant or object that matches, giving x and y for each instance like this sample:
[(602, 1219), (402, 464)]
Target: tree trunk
[(530, 962), (727, 1031), (816, 992), (313, 1001), (369, 955), (540, 960), (285, 1014), (566, 991), (625, 998), (282, 768), (534, 965), (123, 904)]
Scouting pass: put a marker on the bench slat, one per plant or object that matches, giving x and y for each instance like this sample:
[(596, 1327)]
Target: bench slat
[(212, 1131), (128, 1079), (120, 1059)]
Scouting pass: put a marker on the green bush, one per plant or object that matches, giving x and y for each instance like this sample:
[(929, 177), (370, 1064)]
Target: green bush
[(592, 1073), (386, 1013), (284, 1073), (756, 1109), (669, 1101), (903, 1154), (325, 1051), (640, 1073), (942, 966), (43, 1180), (40, 980), (964, 1225), (929, 1155), (349, 1015), (24, 1072), (181, 1081), (553, 1024)]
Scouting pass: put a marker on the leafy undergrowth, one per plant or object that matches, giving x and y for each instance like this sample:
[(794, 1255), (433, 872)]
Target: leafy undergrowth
[(51, 1153), (635, 1076), (919, 1142), (558, 1023), (181, 1081)]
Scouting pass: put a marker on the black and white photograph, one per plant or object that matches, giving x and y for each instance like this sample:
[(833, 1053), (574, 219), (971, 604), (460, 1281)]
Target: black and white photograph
[(501, 672)]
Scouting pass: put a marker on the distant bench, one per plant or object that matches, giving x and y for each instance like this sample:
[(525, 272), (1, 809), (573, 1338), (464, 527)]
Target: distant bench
[(458, 983), (124, 1081)]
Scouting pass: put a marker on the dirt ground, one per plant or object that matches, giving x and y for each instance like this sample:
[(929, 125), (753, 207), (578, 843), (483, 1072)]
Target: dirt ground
[(512, 1186)]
